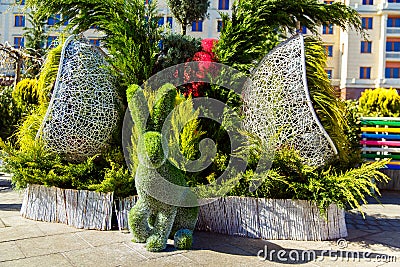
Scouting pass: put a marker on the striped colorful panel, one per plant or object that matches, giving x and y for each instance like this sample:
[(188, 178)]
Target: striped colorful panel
[(380, 149), (380, 130), (380, 118), (388, 123), (380, 143), (393, 167), (375, 156), (381, 136)]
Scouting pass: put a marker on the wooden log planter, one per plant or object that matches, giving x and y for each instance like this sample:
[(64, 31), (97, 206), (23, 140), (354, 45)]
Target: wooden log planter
[(79, 208), (238, 216), (380, 139), (261, 218)]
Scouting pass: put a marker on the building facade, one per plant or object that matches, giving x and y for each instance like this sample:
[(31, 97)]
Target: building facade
[(357, 63), (354, 63)]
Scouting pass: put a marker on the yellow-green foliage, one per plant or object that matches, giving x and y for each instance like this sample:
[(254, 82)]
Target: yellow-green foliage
[(380, 102), (27, 131), (25, 93), (49, 71), (185, 131)]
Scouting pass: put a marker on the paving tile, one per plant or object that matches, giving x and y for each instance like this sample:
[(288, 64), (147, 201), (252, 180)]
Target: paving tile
[(51, 244), (20, 232), (116, 254), (10, 251), (56, 228), (140, 248), (18, 220), (99, 238), (9, 213), (173, 261), (222, 258), (53, 260)]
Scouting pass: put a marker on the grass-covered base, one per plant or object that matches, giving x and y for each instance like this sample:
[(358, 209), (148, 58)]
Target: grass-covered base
[(183, 239), (155, 243)]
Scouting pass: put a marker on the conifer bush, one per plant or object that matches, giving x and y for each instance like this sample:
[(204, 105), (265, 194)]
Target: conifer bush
[(379, 102)]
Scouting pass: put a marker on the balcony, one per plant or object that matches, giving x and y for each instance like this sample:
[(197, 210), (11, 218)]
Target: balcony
[(391, 6), (390, 83), (393, 31), (392, 55)]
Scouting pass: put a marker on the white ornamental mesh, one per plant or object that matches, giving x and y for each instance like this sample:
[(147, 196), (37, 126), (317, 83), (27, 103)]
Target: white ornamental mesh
[(278, 99), (83, 111)]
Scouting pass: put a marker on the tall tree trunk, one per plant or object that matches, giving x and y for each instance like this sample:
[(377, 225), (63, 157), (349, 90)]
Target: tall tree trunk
[(18, 68), (184, 26)]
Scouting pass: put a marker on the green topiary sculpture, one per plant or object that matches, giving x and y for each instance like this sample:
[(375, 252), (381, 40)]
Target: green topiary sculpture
[(151, 220)]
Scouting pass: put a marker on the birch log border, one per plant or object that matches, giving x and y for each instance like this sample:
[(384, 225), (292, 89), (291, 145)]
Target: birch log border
[(78, 208), (271, 219)]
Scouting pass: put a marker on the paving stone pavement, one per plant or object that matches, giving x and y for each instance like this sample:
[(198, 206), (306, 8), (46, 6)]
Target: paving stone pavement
[(374, 241)]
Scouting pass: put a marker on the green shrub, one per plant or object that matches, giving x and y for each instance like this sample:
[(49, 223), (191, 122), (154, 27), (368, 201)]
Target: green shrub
[(26, 95), (379, 102), (48, 73), (35, 164), (290, 178), (10, 113), (177, 49)]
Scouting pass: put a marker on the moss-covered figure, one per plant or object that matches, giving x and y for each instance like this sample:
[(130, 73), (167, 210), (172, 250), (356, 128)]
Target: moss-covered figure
[(151, 220)]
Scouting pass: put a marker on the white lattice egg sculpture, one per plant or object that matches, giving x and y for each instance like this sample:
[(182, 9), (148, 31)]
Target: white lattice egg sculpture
[(278, 94), (84, 109)]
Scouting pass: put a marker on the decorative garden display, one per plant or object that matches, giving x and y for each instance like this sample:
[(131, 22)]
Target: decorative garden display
[(77, 147), (278, 94), (83, 110), (151, 220)]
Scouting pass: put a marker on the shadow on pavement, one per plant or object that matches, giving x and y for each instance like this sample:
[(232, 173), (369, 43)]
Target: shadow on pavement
[(269, 251), (10, 207)]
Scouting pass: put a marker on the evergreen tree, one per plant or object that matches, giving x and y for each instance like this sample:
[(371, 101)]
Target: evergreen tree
[(35, 38), (187, 11), (130, 28)]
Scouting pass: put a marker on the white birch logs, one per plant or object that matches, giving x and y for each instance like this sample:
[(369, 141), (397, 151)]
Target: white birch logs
[(79, 208), (260, 218)]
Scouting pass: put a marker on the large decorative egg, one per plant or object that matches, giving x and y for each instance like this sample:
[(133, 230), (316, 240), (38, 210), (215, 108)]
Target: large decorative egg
[(84, 108)]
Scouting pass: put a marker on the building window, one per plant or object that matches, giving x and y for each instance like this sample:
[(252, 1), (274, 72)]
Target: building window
[(220, 25), (366, 47), (169, 21), (53, 20), (197, 26), (329, 73), (18, 42), (160, 22), (327, 29), (392, 73), (94, 41), (393, 46), (368, 2), (19, 21), (303, 29), (393, 22), (50, 41), (328, 2), (328, 50), (365, 72), (366, 23), (223, 4)]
